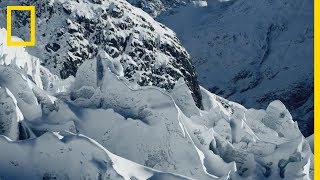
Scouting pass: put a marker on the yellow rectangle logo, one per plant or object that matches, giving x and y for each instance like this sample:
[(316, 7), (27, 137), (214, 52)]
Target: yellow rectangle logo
[(32, 10)]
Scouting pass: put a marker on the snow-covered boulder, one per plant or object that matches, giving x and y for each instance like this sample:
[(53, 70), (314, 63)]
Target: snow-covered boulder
[(279, 119)]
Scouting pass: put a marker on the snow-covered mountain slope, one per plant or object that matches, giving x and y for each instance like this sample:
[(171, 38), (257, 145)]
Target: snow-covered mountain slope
[(70, 32), (158, 129), (252, 52), (156, 7)]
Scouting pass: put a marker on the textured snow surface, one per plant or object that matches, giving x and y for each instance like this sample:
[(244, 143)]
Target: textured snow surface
[(99, 125), (252, 51), (53, 156)]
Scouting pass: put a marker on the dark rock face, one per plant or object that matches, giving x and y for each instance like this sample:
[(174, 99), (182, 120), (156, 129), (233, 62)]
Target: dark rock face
[(72, 32)]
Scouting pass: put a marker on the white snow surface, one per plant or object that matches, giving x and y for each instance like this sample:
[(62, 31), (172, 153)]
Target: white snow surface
[(310, 139), (99, 125), (56, 156)]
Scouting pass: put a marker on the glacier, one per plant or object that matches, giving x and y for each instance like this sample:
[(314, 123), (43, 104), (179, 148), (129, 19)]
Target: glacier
[(100, 125)]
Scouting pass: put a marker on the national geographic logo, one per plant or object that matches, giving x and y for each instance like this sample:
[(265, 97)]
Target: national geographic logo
[(32, 10)]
